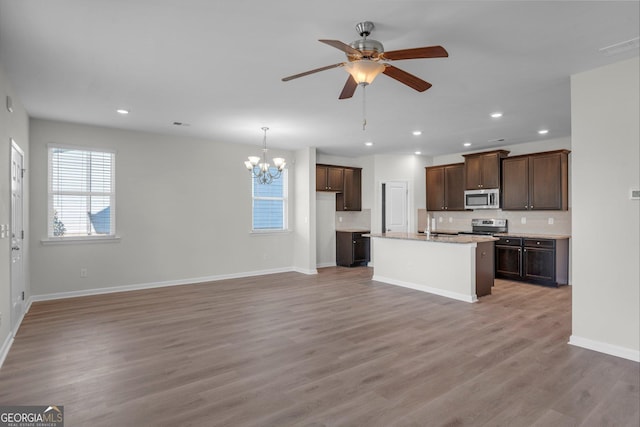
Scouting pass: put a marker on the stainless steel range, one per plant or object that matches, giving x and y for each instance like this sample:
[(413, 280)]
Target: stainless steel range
[(487, 227)]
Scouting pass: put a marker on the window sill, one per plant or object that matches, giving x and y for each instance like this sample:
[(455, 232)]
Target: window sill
[(79, 240), (263, 232)]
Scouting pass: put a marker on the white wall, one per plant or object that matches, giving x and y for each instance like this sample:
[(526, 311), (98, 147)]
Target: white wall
[(606, 163), (409, 168), (12, 125), (543, 143), (183, 211)]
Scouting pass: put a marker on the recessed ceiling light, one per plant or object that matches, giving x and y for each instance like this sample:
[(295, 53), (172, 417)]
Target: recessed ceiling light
[(467, 144), (496, 115), (368, 143), (417, 153), (543, 131), (417, 132), (122, 111)]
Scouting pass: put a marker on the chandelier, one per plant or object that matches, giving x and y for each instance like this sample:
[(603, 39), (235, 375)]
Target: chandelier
[(260, 169)]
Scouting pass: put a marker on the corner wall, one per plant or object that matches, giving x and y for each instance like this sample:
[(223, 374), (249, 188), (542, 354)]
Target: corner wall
[(606, 163)]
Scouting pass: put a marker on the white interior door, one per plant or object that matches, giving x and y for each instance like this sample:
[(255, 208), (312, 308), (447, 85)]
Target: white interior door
[(395, 207), (17, 236)]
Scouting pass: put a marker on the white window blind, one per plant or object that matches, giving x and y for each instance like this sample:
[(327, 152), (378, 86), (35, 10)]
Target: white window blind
[(81, 192), (270, 203)]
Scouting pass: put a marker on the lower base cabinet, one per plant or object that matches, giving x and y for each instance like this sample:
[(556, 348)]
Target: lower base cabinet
[(539, 261), (352, 248)]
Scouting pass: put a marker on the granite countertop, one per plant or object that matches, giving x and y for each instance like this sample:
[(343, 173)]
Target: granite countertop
[(535, 235), (510, 234), (443, 231), (462, 238)]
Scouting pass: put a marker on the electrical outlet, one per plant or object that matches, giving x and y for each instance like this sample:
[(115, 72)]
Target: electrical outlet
[(450, 220), (440, 219), (339, 219), (550, 221), (523, 220), (83, 272)]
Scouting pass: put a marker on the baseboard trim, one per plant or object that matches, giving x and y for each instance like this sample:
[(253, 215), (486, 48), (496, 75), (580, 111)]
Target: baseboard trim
[(140, 286), (326, 264), (602, 347), (423, 288), (4, 350), (305, 271)]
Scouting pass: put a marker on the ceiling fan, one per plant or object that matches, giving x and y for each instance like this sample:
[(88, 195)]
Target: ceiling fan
[(366, 59)]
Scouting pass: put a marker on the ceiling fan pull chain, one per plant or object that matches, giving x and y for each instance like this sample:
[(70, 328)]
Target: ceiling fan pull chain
[(364, 107)]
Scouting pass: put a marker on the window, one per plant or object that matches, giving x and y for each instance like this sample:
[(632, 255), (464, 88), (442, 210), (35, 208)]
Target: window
[(81, 192), (270, 203)]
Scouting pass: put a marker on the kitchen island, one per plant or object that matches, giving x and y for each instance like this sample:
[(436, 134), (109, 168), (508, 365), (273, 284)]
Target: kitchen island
[(455, 266)]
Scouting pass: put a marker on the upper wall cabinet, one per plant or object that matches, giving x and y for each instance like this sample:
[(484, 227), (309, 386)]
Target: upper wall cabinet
[(329, 178), (482, 170), (345, 181), (351, 197), (445, 187), (536, 181)]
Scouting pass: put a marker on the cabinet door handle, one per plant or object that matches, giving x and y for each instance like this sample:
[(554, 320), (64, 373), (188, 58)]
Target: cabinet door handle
[(531, 207), (526, 206), (354, 241)]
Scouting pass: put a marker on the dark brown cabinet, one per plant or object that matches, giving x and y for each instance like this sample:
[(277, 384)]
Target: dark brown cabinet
[(539, 261), (352, 248), (482, 170), (509, 258), (536, 181), (345, 181), (445, 187), (351, 197), (329, 178)]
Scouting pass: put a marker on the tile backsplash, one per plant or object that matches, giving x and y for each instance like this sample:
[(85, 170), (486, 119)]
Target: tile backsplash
[(353, 219), (543, 222)]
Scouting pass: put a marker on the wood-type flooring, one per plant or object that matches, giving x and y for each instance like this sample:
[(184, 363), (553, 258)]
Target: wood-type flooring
[(333, 349)]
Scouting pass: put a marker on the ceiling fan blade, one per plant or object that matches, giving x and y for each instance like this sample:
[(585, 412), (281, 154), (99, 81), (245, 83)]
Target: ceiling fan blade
[(349, 88), (317, 70), (342, 46), (418, 52), (406, 78)]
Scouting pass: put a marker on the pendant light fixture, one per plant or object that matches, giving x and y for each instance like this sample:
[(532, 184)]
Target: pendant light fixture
[(260, 169)]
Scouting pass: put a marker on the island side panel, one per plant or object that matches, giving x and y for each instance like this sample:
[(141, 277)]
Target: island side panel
[(446, 269), (485, 271)]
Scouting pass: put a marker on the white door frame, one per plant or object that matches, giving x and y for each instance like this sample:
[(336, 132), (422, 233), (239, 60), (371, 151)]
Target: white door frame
[(16, 230)]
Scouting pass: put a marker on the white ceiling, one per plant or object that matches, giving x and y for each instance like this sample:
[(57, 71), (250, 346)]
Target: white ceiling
[(217, 65)]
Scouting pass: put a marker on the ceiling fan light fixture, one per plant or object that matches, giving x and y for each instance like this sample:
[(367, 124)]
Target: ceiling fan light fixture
[(364, 70)]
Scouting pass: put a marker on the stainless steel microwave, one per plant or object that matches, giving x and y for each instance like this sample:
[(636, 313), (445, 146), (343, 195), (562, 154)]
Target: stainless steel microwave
[(482, 199)]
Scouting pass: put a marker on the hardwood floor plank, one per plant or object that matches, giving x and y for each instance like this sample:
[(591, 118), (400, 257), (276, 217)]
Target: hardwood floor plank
[(331, 349)]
